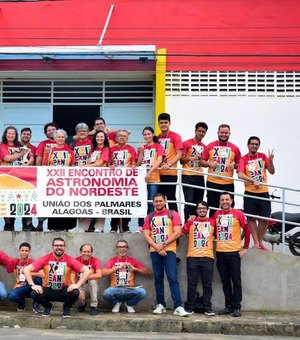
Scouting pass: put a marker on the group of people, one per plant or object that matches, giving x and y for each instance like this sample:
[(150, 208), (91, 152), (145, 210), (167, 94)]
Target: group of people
[(60, 277), (161, 155)]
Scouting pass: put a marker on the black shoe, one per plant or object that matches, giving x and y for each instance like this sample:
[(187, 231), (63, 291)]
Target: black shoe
[(236, 312), (227, 310), (36, 308), (21, 306), (209, 313), (66, 312), (93, 311), (81, 309), (8, 227), (47, 311)]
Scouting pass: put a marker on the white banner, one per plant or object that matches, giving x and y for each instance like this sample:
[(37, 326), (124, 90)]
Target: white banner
[(72, 192)]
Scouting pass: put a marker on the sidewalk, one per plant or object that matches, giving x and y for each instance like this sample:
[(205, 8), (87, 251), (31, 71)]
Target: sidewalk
[(251, 323)]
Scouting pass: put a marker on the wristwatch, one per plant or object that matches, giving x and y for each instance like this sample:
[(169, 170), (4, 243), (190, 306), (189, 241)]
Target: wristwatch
[(164, 244), (169, 165)]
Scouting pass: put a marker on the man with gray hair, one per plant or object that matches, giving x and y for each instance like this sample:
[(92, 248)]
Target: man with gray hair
[(82, 146)]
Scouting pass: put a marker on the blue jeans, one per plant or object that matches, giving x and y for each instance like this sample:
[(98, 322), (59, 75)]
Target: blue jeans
[(19, 294), (3, 292), (168, 264), (124, 294)]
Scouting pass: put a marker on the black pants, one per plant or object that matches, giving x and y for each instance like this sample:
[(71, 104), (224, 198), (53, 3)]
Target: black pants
[(192, 195), (122, 222), (229, 267), (61, 295), (203, 267), (213, 197), (169, 190)]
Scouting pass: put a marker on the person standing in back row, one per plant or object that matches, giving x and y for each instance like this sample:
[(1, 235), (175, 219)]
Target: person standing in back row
[(192, 152), (223, 157), (172, 145), (253, 169)]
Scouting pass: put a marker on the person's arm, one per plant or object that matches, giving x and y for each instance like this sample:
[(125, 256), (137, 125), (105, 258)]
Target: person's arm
[(242, 175), (139, 270), (84, 277), (28, 271), (108, 271), (15, 156), (96, 275), (271, 167), (150, 241)]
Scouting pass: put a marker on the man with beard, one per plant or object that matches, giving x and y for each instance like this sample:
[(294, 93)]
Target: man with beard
[(191, 156), (44, 148), (253, 169), (161, 230), (229, 251), (57, 284), (222, 157), (200, 257)]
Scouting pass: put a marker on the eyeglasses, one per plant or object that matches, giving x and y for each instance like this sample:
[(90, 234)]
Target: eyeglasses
[(202, 208), (119, 247), (59, 245)]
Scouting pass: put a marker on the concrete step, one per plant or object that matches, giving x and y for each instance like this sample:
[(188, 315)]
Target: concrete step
[(250, 323)]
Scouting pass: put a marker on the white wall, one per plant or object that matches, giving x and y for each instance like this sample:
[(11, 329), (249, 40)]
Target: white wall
[(274, 120)]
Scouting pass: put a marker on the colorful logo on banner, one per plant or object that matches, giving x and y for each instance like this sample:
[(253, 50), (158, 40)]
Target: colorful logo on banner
[(72, 192)]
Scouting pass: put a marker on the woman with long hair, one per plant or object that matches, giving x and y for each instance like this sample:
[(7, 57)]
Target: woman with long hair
[(14, 154), (99, 156)]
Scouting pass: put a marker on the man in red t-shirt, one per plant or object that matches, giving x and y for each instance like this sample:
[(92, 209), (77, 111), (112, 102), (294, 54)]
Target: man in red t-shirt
[(191, 156), (229, 225), (57, 284), (22, 290), (122, 269), (122, 155), (89, 287), (221, 157), (172, 145), (253, 169), (161, 230), (200, 257)]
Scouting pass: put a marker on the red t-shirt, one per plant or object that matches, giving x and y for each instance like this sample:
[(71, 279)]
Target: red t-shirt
[(201, 235), (171, 143), (193, 149), (224, 154), (15, 266), (122, 277), (61, 156), (123, 156), (161, 227), (100, 154), (44, 149), (81, 151), (228, 230), (255, 167), (57, 272), (4, 259), (8, 150), (93, 264), (150, 155)]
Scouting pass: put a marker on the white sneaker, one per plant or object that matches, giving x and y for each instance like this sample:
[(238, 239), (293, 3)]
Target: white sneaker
[(97, 230), (180, 311), (130, 309), (116, 307), (159, 309)]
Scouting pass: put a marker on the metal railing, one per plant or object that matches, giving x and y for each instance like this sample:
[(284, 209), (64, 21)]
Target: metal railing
[(279, 200)]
